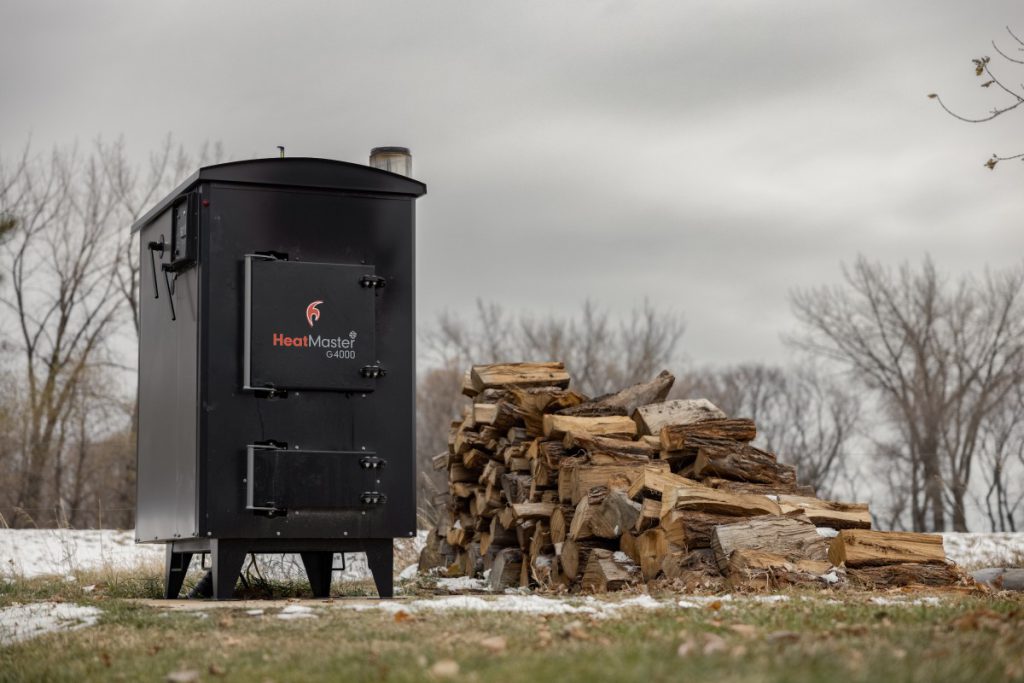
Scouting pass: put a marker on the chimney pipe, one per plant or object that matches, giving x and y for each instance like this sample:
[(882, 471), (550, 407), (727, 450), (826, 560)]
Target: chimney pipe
[(394, 159)]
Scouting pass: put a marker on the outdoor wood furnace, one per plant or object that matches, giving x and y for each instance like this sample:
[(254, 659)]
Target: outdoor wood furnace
[(277, 368)]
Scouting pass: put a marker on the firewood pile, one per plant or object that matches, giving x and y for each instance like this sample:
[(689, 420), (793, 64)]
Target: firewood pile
[(554, 490)]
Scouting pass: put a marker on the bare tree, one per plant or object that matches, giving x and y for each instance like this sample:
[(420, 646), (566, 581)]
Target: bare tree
[(939, 357), (601, 356), (1002, 458), (1012, 93)]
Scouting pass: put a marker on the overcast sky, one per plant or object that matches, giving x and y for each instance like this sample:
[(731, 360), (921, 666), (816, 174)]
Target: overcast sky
[(709, 156)]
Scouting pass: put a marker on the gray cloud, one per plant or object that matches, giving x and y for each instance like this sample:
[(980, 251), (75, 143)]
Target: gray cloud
[(709, 156)]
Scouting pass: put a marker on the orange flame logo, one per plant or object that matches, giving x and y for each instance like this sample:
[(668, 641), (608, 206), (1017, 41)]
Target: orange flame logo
[(312, 312)]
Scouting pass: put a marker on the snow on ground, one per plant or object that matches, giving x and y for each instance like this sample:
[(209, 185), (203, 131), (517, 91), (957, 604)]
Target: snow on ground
[(21, 622), (63, 552), (974, 551), (30, 553)]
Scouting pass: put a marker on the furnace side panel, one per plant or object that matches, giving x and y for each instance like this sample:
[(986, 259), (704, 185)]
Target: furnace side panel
[(306, 226), (168, 394)]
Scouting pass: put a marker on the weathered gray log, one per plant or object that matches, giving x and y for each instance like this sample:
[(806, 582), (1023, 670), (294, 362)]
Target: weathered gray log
[(506, 570), (651, 418), (788, 537)]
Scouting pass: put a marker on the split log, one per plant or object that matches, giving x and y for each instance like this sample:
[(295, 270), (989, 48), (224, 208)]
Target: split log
[(540, 542), (603, 513), (607, 448), (680, 561), (575, 480), (491, 473), (629, 399), (475, 459), (467, 385), (757, 489), (516, 487), (828, 513), (650, 419), (524, 511), (575, 555), (650, 515), (784, 536), (519, 375), (556, 426), (532, 403), (691, 529), (758, 570), (499, 535), (461, 473), (561, 519), (739, 461), (677, 437), (710, 500), (906, 574), (649, 551), (861, 548), (500, 415), (609, 571), (654, 481), (506, 570)]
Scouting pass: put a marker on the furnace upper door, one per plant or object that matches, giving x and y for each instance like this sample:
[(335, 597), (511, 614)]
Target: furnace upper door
[(309, 325)]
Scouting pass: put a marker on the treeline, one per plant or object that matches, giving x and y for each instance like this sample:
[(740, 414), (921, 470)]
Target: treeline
[(905, 385)]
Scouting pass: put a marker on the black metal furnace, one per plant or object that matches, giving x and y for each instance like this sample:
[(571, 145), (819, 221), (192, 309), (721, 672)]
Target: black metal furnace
[(277, 368)]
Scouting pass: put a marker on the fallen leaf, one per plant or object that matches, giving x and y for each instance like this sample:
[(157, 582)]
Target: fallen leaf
[(445, 668), (402, 616), (106, 659), (575, 629), (216, 670), (716, 605)]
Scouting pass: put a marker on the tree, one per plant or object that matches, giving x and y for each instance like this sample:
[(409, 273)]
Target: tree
[(940, 357), (68, 292), (1013, 93)]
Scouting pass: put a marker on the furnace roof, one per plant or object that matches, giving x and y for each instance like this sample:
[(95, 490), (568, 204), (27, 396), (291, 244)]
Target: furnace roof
[(297, 172)]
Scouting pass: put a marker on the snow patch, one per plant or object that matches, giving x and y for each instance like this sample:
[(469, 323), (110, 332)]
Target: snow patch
[(462, 583), (975, 551), (22, 622), (30, 553), (409, 573), (296, 612), (827, 531)]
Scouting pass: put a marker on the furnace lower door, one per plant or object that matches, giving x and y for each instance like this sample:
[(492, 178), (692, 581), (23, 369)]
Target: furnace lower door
[(279, 480), (309, 325)]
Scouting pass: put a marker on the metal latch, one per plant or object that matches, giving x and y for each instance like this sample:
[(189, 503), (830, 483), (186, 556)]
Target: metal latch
[(373, 498), (372, 282), (372, 371)]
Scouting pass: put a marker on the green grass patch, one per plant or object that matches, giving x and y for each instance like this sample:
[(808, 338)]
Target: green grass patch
[(811, 637)]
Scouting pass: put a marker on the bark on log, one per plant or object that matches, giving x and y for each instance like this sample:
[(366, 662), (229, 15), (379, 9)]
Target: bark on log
[(506, 570), (906, 574), (861, 548), (828, 513), (678, 437), (691, 529), (629, 399), (609, 571), (604, 514), (575, 554)]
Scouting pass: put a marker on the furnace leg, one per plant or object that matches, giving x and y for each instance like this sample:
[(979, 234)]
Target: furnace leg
[(380, 555), (227, 558), (174, 571), (318, 568)]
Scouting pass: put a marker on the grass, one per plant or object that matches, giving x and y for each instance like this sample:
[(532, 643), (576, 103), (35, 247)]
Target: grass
[(811, 637)]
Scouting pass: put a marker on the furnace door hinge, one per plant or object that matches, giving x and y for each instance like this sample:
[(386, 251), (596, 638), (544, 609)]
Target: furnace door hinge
[(372, 371), (373, 282)]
